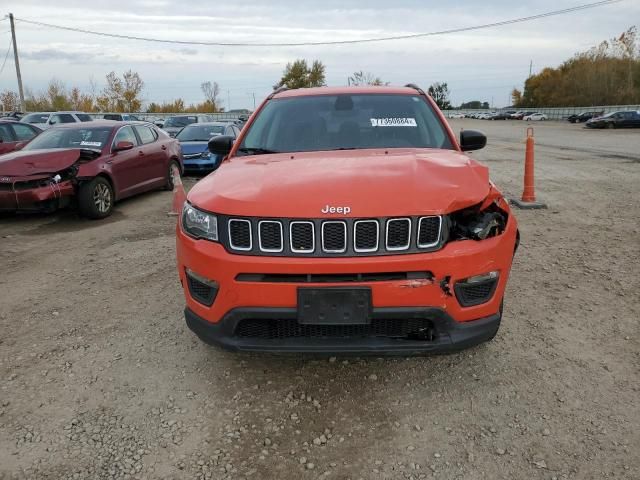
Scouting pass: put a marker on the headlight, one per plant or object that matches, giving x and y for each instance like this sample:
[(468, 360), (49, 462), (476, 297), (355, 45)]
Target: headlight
[(205, 154), (475, 224), (199, 224)]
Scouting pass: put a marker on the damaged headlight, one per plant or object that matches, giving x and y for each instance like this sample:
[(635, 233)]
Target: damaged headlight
[(475, 224), (199, 224)]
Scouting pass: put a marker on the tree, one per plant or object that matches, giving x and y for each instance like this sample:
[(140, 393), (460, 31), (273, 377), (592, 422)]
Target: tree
[(299, 75), (606, 74), (365, 78), (211, 92), (440, 94), (57, 95), (121, 94), (9, 100), (516, 97)]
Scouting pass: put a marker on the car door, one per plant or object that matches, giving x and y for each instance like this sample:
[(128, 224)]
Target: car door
[(7, 138), (127, 165), (154, 160)]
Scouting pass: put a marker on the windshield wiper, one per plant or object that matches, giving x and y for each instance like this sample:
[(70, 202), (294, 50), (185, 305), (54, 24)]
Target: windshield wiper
[(256, 150)]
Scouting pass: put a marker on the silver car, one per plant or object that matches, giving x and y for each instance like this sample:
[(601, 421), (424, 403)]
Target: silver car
[(46, 120)]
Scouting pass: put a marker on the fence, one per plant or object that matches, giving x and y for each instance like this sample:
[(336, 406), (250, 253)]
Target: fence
[(560, 113)]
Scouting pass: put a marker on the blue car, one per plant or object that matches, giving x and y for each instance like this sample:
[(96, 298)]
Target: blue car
[(194, 140)]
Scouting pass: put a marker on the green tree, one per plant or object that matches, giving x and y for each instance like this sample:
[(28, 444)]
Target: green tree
[(299, 75), (440, 94), (121, 94), (516, 97)]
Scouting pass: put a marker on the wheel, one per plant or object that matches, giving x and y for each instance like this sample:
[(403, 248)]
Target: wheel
[(610, 126), (172, 164), (95, 198)]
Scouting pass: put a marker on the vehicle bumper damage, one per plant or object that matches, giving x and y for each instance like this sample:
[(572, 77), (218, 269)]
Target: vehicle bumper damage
[(29, 187), (431, 302)]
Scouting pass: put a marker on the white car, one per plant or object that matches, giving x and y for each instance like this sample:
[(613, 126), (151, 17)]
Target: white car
[(536, 117), (456, 115), (46, 120)]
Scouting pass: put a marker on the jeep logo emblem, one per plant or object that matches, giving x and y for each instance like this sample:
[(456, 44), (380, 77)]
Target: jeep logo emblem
[(340, 210)]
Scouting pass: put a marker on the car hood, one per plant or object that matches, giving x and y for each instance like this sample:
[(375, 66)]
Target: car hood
[(189, 148), (370, 182), (24, 163)]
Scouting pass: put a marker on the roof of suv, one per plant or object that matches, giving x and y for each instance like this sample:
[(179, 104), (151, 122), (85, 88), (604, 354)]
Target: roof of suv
[(303, 92)]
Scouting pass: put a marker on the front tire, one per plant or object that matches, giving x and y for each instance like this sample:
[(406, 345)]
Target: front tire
[(95, 198), (169, 183)]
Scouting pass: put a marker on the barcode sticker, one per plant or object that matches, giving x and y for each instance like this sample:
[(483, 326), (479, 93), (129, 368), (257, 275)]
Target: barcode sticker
[(393, 122)]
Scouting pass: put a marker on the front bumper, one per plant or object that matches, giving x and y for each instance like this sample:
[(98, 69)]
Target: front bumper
[(456, 326), (37, 199), (449, 335)]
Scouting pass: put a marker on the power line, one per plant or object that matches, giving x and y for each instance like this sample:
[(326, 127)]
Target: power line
[(335, 42), (6, 56)]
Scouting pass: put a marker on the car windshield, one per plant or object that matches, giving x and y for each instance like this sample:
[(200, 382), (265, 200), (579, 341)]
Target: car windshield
[(91, 138), (180, 121), (36, 118), (199, 133), (341, 122)]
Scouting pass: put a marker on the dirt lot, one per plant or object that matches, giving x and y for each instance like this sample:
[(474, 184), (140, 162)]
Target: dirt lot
[(100, 378)]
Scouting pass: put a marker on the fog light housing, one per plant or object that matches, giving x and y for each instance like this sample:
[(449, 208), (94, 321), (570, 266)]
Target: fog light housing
[(201, 289), (476, 290)]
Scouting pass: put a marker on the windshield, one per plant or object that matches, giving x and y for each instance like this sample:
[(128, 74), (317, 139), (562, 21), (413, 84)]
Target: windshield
[(91, 138), (338, 122), (200, 133), (36, 118), (180, 121)]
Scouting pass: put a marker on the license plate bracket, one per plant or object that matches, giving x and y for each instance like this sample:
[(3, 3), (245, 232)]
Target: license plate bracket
[(334, 306)]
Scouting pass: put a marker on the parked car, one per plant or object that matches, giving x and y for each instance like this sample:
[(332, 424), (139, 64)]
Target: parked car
[(121, 117), (15, 115), (625, 119), (159, 122), (327, 206), (14, 135), (456, 115), (44, 120), (583, 117), (500, 116), (194, 140), (172, 125), (91, 165), (535, 117)]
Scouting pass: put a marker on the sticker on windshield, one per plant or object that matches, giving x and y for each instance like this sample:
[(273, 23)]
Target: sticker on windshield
[(90, 144), (393, 122)]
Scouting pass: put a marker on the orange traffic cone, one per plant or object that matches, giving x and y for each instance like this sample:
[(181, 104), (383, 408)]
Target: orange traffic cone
[(179, 195), (528, 194)]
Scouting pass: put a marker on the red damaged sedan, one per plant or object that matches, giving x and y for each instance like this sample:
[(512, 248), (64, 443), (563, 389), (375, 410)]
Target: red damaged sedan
[(91, 166)]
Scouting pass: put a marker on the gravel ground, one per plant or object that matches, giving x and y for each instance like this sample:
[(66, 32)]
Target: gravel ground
[(100, 378)]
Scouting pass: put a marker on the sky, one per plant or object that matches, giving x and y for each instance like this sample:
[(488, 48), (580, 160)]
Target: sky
[(478, 65)]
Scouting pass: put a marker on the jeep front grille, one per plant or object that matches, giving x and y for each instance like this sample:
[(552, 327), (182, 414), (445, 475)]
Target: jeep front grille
[(332, 238)]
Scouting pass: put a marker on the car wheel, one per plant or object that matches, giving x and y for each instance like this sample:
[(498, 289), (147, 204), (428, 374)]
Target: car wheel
[(610, 126), (169, 183), (95, 198)]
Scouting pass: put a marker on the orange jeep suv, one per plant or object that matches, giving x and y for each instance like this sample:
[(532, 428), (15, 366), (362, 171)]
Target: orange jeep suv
[(346, 220)]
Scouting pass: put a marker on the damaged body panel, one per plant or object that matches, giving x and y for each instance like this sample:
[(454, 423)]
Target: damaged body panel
[(86, 166)]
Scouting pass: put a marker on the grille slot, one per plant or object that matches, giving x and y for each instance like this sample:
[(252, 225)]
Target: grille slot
[(270, 236), (290, 328), (201, 292), (302, 237), (398, 233), (334, 237), (429, 231), (366, 236), (332, 277), (470, 294), (240, 234)]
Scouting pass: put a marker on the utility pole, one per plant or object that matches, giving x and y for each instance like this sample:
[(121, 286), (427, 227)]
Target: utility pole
[(254, 100), (228, 101), (530, 68), (15, 56)]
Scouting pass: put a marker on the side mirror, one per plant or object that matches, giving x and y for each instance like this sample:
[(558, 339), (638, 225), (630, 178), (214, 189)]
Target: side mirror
[(221, 145), (121, 146), (472, 140)]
